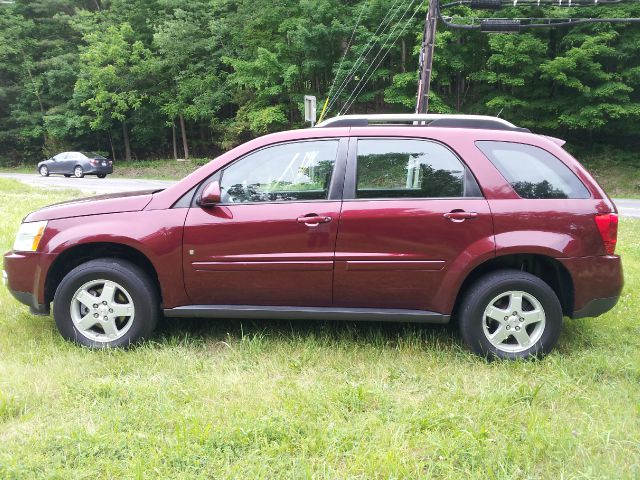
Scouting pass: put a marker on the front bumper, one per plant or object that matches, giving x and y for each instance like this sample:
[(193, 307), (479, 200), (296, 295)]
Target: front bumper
[(24, 275), (29, 300)]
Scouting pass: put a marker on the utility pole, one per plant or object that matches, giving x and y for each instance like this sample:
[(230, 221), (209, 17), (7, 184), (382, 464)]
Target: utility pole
[(426, 57)]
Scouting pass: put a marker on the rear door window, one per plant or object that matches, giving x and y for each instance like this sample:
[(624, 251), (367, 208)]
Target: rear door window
[(408, 168), (532, 171)]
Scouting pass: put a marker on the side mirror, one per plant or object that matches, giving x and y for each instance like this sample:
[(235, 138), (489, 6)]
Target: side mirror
[(211, 195)]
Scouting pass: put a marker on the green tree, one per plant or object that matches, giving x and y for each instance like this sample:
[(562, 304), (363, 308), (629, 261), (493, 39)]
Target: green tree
[(112, 79)]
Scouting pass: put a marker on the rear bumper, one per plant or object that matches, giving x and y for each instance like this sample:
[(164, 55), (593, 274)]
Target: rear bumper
[(596, 307), (98, 170), (597, 283)]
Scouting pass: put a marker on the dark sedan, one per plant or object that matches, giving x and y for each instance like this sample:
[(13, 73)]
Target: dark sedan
[(77, 164)]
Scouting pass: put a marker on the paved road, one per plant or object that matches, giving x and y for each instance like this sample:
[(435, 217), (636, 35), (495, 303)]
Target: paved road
[(626, 207), (88, 184)]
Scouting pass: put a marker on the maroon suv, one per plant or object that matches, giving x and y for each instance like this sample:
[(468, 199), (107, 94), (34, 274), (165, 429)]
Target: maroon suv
[(384, 218)]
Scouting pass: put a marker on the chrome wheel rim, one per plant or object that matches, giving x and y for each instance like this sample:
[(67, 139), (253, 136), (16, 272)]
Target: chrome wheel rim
[(514, 321), (78, 171), (102, 310), (44, 171)]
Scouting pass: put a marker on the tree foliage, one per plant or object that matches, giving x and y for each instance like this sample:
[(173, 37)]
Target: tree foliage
[(145, 77)]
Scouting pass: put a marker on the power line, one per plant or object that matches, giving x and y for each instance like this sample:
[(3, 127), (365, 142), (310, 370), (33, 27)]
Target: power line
[(353, 33), (364, 82), (368, 47)]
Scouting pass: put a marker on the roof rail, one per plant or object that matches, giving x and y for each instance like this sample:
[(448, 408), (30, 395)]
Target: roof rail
[(422, 120)]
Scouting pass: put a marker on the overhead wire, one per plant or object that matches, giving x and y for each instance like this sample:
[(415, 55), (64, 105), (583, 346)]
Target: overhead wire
[(353, 33), (367, 49), (364, 80)]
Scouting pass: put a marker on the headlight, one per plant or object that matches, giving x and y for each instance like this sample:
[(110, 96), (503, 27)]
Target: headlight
[(29, 236)]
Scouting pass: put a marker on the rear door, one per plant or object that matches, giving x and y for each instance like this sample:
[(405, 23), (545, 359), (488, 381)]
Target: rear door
[(71, 160), (411, 207), (271, 240)]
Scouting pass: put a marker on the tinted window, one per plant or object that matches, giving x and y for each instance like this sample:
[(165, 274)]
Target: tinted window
[(93, 155), (75, 156), (389, 168), (532, 171), (288, 172)]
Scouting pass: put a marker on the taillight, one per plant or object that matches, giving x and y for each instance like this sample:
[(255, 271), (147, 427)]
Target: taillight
[(95, 163), (608, 227)]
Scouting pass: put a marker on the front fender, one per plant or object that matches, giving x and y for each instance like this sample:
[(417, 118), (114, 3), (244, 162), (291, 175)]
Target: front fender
[(156, 234)]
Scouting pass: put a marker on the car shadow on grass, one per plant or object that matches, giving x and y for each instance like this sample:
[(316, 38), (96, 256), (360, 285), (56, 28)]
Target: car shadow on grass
[(377, 334)]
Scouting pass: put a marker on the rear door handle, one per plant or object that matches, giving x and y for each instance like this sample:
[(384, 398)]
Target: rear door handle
[(460, 215), (313, 219)]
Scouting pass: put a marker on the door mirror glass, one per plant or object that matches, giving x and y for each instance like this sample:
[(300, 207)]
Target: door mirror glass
[(211, 195)]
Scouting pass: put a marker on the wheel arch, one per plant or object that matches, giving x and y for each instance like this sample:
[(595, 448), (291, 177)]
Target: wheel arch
[(79, 254), (547, 268)]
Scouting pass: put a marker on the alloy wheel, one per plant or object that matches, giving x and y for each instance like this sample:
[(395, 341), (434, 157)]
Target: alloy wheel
[(102, 310), (514, 321)]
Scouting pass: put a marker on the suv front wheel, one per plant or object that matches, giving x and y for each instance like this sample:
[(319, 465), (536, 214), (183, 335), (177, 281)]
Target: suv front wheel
[(510, 314), (106, 303)]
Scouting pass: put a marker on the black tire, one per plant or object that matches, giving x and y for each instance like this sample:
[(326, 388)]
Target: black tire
[(471, 315), (102, 175), (67, 175), (44, 171), (137, 284), (78, 172)]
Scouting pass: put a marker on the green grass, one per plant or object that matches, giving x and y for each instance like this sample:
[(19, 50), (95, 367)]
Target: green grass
[(619, 181), (277, 399)]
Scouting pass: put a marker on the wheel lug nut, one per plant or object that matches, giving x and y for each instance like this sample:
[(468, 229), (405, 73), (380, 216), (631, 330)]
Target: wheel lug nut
[(521, 319), (104, 302), (517, 328), (506, 318), (95, 315), (508, 327), (95, 305), (106, 318), (111, 310)]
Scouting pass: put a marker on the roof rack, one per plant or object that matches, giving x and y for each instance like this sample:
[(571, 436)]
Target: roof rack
[(422, 120)]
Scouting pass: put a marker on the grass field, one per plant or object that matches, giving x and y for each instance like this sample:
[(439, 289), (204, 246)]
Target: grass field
[(276, 399)]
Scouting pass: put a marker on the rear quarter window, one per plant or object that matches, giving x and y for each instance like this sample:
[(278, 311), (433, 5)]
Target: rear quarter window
[(532, 171)]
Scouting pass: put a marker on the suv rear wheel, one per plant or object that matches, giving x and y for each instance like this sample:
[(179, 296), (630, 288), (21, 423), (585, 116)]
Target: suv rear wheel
[(106, 303), (510, 314)]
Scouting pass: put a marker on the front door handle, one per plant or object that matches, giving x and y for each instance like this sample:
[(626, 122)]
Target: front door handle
[(460, 215), (313, 219)]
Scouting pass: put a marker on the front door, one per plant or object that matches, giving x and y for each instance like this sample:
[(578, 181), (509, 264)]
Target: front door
[(57, 166), (411, 208), (271, 240)]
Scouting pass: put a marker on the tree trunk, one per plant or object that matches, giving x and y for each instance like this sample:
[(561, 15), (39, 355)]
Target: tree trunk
[(173, 138), (127, 145), (113, 150), (403, 61), (184, 138)]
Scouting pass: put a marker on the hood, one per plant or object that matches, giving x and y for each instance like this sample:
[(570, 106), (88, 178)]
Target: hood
[(98, 205)]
